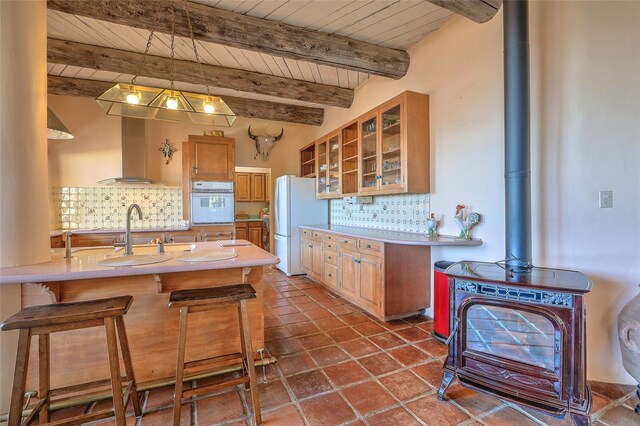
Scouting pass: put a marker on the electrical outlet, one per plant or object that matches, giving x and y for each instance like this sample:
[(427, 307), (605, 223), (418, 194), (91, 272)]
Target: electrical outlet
[(605, 199)]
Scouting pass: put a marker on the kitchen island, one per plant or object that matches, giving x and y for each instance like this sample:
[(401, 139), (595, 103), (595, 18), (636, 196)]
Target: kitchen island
[(387, 273), (81, 356)]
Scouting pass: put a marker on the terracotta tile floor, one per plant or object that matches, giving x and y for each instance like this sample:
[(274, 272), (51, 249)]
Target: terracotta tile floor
[(339, 366)]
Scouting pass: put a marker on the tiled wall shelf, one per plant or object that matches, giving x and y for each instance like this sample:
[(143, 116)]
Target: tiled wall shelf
[(407, 212), (106, 207)]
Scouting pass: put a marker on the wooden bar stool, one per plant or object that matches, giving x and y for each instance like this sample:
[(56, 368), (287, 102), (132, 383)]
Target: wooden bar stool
[(207, 299), (46, 319)]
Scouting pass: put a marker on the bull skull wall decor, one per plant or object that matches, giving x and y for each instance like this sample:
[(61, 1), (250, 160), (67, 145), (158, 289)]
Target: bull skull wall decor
[(264, 143)]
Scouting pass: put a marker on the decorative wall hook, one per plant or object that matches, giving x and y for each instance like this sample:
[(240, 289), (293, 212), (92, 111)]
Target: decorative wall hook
[(167, 150), (465, 224)]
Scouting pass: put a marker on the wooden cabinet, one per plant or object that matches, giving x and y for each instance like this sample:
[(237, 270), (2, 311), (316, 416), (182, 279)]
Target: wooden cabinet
[(328, 167), (385, 151), (251, 186), (258, 187), (96, 239), (308, 161), (195, 234), (243, 186), (267, 191), (251, 231), (215, 233), (57, 241), (209, 158), (387, 280)]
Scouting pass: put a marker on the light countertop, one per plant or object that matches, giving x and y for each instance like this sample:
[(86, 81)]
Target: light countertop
[(394, 237), (84, 264)]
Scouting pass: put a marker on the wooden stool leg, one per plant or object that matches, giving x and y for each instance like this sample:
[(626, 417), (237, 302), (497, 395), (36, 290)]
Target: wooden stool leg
[(45, 377), (247, 348), (114, 367), (182, 343), (128, 366), (20, 378)]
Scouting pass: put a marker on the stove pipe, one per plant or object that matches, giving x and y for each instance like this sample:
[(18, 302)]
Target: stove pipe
[(516, 130)]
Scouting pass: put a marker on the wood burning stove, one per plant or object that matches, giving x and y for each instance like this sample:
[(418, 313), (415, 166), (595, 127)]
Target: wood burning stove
[(520, 336)]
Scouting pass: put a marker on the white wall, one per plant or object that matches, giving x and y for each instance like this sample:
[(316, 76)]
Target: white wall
[(585, 91)]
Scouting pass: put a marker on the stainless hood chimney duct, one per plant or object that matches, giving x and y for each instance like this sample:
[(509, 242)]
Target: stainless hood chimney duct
[(517, 144), (134, 156)]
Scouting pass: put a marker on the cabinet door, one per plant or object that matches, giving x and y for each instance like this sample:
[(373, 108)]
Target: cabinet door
[(57, 242), (215, 235), (371, 282), (242, 186), (258, 186), (306, 253), (369, 158), (212, 158), (333, 166), (317, 258), (391, 147), (321, 169), (255, 234), (96, 240), (242, 232), (349, 272)]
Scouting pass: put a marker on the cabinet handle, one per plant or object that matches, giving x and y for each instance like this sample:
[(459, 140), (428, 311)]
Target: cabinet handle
[(310, 245), (345, 241), (368, 246), (329, 275)]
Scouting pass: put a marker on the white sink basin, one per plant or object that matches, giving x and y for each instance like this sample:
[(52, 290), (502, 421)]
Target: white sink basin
[(134, 260)]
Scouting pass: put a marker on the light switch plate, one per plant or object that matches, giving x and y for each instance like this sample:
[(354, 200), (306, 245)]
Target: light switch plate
[(605, 199)]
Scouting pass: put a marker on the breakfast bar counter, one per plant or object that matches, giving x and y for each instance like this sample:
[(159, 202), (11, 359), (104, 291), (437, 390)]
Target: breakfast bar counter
[(81, 356)]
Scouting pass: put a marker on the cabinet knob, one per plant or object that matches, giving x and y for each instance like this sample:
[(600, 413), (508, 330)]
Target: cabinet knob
[(345, 241), (368, 246), (329, 257), (310, 245), (329, 275)]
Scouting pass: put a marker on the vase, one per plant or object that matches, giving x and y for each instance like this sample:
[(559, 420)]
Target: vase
[(629, 337)]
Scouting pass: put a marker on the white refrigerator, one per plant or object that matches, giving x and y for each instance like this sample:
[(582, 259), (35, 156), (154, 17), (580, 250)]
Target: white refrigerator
[(295, 205)]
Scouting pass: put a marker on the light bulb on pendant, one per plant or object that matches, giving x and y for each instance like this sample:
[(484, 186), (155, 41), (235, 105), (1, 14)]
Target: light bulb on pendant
[(133, 98), (208, 107), (172, 103)]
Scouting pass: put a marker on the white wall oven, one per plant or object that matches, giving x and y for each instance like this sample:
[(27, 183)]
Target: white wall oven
[(212, 203)]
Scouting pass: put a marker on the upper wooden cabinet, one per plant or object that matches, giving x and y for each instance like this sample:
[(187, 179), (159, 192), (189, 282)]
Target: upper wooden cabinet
[(308, 161), (209, 158), (328, 166), (385, 151), (252, 186)]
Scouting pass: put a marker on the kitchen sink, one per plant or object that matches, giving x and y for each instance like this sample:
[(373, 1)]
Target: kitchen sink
[(137, 249), (134, 259)]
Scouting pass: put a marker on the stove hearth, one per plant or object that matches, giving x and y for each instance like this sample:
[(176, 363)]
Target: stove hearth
[(520, 336)]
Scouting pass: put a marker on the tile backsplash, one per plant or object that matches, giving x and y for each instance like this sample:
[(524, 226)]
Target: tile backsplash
[(106, 207), (407, 212)]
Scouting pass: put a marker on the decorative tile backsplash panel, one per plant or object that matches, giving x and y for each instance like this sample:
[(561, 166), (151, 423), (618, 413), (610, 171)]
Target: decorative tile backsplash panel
[(407, 212), (106, 207)]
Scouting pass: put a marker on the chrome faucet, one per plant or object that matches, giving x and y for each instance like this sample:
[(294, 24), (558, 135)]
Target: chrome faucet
[(128, 243)]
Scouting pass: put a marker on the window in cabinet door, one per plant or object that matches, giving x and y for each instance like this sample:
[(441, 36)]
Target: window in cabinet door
[(321, 164), (334, 165), (391, 147), (350, 159), (368, 152)]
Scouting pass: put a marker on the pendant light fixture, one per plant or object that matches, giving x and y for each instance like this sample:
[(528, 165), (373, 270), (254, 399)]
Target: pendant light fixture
[(136, 101), (55, 128)]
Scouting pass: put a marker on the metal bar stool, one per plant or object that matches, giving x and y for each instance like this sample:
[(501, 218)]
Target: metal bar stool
[(46, 319), (207, 299)]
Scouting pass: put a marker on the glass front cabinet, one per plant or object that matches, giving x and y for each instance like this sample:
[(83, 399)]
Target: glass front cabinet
[(328, 166), (385, 151)]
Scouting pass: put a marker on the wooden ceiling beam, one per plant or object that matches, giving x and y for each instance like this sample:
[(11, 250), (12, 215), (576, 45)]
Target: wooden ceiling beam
[(244, 107), (245, 32), (479, 11), (126, 62)]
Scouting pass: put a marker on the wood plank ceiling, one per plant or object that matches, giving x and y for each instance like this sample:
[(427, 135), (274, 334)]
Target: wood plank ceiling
[(386, 23)]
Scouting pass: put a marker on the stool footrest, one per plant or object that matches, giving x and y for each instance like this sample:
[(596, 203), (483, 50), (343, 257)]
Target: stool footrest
[(210, 388), (212, 360), (82, 387), (34, 412), (84, 418)]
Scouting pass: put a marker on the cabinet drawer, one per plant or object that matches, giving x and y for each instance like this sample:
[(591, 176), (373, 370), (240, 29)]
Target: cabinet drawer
[(369, 246), (348, 243), (330, 274), (306, 233), (330, 257), (331, 246), (317, 235), (331, 237)]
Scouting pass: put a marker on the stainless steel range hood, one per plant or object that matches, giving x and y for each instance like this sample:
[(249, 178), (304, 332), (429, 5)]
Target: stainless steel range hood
[(134, 156)]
